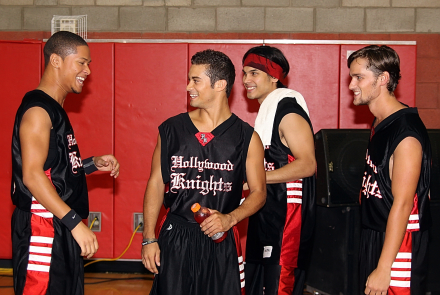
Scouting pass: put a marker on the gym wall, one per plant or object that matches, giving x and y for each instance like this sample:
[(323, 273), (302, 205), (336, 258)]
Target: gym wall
[(135, 86)]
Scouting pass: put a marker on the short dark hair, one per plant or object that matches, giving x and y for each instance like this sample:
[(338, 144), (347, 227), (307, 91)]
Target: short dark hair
[(218, 67), (272, 54), (62, 43), (380, 59)]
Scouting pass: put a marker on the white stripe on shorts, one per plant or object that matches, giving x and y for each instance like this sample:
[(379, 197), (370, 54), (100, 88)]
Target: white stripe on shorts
[(403, 284), (38, 267), (294, 200)]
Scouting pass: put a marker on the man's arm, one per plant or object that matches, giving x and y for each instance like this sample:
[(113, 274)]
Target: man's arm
[(255, 175), (34, 141), (153, 200), (405, 166), (295, 132)]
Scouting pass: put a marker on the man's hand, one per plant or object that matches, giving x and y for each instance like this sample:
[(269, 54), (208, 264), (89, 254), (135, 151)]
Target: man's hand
[(107, 163), (216, 223), (86, 239), (151, 257), (378, 282)]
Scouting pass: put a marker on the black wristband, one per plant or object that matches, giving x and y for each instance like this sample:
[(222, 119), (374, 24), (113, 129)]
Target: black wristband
[(89, 165), (71, 219)]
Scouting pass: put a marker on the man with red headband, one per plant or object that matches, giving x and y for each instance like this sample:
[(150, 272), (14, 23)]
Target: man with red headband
[(279, 234)]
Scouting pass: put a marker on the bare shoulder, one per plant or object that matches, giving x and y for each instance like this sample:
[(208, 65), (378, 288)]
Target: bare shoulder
[(35, 118)]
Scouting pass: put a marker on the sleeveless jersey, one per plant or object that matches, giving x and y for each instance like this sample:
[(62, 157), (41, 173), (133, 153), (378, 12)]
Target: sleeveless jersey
[(281, 232), (63, 164), (376, 195), (208, 168)]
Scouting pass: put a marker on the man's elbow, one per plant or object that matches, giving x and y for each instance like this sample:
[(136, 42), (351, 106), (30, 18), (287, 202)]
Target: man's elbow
[(262, 199), (310, 168), (28, 179)]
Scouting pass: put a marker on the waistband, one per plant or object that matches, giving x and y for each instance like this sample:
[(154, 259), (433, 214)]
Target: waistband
[(171, 217)]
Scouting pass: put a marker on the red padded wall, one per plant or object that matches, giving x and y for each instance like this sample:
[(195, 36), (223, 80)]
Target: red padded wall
[(314, 72), (92, 115), (150, 86), (359, 116), (21, 64)]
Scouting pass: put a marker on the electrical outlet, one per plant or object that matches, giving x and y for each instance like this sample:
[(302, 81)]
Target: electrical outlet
[(138, 218), (97, 224)]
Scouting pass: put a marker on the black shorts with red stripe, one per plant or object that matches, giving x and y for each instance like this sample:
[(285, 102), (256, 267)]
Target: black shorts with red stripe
[(409, 269), (192, 263), (46, 258)]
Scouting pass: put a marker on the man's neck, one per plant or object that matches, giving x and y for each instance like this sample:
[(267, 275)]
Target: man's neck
[(261, 99), (208, 119), (384, 107), (51, 87)]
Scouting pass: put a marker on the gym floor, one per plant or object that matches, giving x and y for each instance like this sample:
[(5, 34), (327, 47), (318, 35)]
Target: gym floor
[(99, 283)]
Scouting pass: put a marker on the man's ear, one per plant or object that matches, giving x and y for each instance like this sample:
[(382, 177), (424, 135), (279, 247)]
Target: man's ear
[(55, 60), (273, 79), (384, 78), (220, 85)]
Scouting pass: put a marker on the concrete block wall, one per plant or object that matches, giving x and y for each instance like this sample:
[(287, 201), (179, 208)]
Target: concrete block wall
[(414, 20), (363, 16)]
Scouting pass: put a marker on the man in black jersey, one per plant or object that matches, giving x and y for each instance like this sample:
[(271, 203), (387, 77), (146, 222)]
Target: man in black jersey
[(279, 235), (204, 156), (48, 183), (395, 186)]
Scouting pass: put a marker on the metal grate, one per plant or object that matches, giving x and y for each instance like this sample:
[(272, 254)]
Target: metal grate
[(73, 23)]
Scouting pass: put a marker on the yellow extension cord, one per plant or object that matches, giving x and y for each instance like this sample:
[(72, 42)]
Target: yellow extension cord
[(113, 259)]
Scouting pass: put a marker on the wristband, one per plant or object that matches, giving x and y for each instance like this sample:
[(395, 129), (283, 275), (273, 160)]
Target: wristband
[(148, 241), (89, 165), (71, 219)]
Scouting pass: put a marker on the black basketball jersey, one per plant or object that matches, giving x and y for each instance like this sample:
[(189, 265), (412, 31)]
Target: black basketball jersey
[(207, 168), (63, 165), (376, 194), (278, 227)]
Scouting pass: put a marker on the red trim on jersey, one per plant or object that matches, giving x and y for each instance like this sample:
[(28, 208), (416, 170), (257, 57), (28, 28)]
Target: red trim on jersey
[(287, 281), (401, 268), (204, 137), (161, 222), (240, 259), (292, 228), (47, 172)]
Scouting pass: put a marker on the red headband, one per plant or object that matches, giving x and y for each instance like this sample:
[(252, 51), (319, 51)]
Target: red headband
[(263, 64)]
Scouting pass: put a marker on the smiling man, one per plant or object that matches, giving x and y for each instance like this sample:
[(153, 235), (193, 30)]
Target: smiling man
[(49, 187), (395, 187), (279, 235), (204, 156)]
